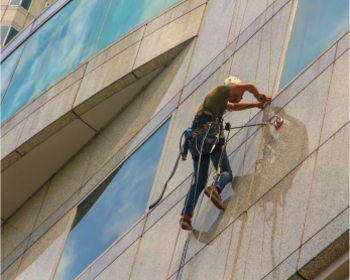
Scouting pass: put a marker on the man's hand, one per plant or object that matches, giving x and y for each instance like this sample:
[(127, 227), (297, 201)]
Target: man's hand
[(264, 98), (260, 105)]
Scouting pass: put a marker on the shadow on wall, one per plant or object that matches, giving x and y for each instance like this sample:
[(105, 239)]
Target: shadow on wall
[(280, 153)]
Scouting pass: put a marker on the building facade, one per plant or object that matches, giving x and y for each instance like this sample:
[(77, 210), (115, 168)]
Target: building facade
[(17, 14), (95, 96)]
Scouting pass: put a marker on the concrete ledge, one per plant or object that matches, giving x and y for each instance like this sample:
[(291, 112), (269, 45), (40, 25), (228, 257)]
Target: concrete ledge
[(326, 246), (53, 114)]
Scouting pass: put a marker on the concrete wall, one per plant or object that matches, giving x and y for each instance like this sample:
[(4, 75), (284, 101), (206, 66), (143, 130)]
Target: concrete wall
[(287, 207)]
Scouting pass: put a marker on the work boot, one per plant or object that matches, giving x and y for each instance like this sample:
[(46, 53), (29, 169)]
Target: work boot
[(215, 197), (185, 222)]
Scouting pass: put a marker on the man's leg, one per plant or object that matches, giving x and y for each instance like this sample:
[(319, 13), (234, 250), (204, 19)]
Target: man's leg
[(195, 191), (226, 172), (224, 178)]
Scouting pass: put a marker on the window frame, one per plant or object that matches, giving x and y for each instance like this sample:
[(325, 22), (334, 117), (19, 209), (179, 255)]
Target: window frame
[(74, 212), (20, 4), (7, 34)]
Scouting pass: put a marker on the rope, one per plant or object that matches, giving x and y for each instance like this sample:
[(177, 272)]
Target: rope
[(261, 140)]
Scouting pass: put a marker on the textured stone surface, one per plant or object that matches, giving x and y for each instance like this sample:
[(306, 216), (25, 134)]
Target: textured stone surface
[(15, 254), (65, 184), (10, 239), (210, 263), (213, 33), (326, 59), (183, 29), (323, 248), (92, 182), (10, 139), (168, 203), (337, 111), (239, 270), (156, 122), (53, 111), (282, 151), (62, 85), (46, 133), (10, 273), (279, 219), (14, 120), (343, 45), (40, 259), (52, 220), (253, 10), (285, 270), (157, 247), (117, 250), (330, 184), (106, 80), (116, 48), (172, 15), (121, 267)]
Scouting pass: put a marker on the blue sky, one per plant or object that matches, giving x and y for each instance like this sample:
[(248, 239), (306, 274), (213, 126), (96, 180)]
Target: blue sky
[(67, 40), (122, 203), (317, 24)]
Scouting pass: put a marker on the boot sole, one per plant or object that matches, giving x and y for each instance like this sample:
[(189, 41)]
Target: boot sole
[(216, 201), (185, 225)]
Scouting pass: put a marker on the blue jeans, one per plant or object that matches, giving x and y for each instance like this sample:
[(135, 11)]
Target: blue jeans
[(224, 179)]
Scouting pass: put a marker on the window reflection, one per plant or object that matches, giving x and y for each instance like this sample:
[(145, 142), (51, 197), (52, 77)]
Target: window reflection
[(112, 208), (317, 24), (68, 39)]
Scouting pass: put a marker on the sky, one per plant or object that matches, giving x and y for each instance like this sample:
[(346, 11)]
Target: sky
[(122, 203), (317, 24), (73, 35)]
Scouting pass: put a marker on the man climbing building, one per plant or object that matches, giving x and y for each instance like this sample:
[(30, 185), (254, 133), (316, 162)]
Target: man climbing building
[(223, 97)]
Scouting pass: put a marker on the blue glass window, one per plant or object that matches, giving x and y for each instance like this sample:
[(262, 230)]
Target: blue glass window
[(317, 24), (13, 32), (80, 29), (108, 212), (24, 3)]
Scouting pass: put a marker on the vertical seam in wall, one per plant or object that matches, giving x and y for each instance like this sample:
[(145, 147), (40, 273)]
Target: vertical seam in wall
[(316, 156), (82, 78), (137, 53), (228, 251)]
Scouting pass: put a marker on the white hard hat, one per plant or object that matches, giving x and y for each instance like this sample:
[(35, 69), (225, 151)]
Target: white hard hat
[(232, 80)]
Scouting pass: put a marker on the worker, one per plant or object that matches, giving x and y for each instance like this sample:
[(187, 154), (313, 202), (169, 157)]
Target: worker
[(224, 97)]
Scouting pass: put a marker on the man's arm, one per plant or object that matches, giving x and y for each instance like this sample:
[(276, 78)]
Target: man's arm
[(243, 106), (240, 88)]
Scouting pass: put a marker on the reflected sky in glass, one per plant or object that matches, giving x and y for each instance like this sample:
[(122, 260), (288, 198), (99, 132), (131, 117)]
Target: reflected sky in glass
[(112, 208), (59, 46), (8, 67), (69, 38), (317, 24), (120, 21)]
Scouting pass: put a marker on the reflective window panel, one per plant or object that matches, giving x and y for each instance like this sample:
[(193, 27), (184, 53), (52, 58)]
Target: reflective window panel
[(4, 29), (17, 40), (15, 2), (68, 39), (108, 212), (120, 20), (55, 49), (26, 4), (317, 24), (13, 32), (7, 69)]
